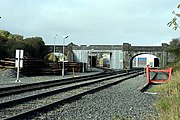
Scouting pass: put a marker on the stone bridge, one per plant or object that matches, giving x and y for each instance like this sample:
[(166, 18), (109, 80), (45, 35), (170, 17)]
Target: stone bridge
[(121, 56)]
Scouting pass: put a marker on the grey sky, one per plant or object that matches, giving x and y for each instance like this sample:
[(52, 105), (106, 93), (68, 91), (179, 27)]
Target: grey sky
[(139, 22)]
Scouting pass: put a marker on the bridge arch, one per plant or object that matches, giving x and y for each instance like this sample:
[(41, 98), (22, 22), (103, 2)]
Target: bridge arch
[(143, 59), (129, 52)]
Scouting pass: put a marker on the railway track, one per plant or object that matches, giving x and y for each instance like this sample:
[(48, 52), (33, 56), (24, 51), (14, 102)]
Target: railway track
[(6, 91), (57, 93), (154, 76)]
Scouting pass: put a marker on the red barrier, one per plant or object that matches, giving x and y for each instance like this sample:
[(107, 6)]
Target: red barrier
[(148, 70)]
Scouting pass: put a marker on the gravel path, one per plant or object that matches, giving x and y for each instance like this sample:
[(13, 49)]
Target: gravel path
[(122, 101)]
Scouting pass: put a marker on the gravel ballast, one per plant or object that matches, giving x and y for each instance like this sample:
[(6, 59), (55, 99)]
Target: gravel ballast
[(122, 101), (8, 77)]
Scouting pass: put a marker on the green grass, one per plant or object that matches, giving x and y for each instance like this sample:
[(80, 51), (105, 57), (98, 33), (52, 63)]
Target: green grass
[(169, 103), (117, 117)]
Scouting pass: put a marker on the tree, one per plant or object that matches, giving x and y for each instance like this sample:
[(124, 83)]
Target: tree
[(174, 22), (15, 37), (12, 45), (174, 47), (4, 33), (3, 50), (35, 46)]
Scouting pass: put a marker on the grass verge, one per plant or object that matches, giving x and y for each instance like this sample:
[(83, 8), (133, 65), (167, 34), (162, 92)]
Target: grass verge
[(169, 102)]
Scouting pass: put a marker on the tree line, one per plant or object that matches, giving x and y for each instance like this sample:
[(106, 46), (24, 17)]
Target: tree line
[(33, 47), (174, 45)]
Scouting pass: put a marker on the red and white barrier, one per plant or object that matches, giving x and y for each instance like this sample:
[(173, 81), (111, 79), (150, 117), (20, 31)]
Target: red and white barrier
[(148, 70)]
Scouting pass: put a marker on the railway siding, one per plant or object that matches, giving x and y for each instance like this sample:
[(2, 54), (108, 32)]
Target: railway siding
[(123, 100), (35, 103)]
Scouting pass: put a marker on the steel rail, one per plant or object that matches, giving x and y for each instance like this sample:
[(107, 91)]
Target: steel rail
[(39, 109), (40, 85), (40, 95), (148, 85), (36, 86)]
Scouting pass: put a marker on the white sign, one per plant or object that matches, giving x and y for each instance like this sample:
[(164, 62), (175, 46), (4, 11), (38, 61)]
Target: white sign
[(19, 56), (19, 53), (19, 62)]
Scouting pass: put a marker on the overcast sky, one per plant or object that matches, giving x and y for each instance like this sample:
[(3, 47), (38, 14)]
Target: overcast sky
[(113, 22)]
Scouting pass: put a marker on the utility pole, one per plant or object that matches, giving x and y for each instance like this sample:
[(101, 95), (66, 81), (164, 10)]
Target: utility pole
[(64, 37), (54, 48)]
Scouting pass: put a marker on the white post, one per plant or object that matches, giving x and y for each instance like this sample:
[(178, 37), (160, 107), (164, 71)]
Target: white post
[(18, 63), (91, 59), (83, 61), (63, 55), (63, 60), (54, 47)]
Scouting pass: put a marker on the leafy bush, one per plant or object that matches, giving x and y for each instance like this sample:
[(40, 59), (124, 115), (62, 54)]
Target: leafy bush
[(33, 47)]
